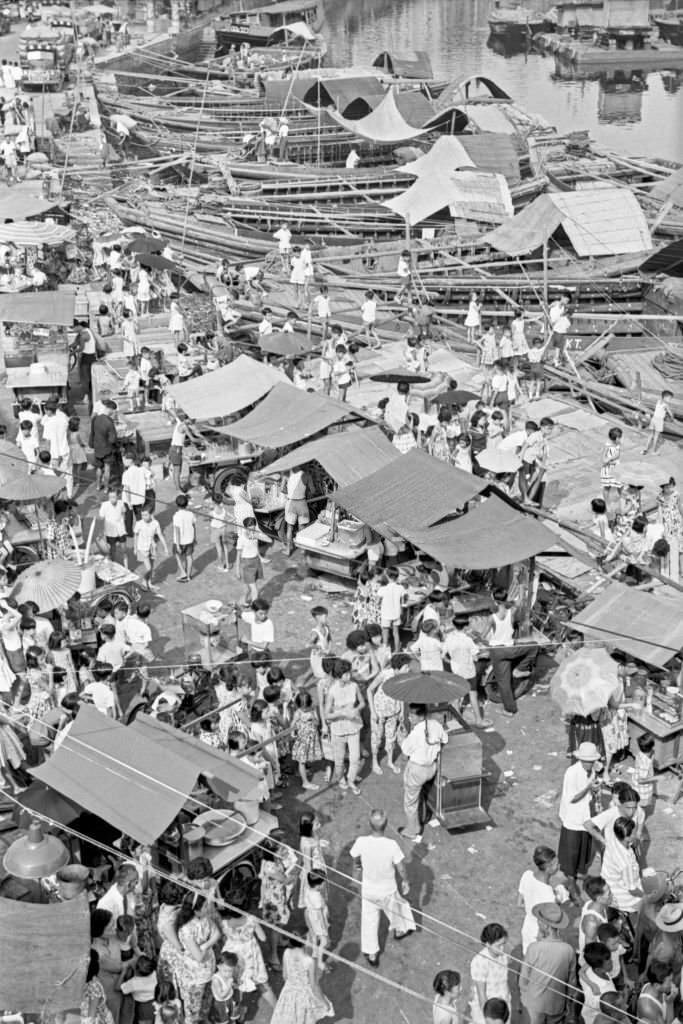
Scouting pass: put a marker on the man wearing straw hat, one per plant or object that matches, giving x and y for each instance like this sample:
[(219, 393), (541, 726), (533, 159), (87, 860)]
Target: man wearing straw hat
[(548, 967), (578, 788)]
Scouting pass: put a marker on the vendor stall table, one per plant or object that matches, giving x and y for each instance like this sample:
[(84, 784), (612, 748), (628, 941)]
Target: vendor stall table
[(455, 794), (40, 381), (153, 427), (207, 629), (668, 736), (328, 556)]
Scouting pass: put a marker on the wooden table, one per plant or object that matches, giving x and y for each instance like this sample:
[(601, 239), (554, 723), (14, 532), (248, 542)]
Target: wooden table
[(336, 558), (668, 737)]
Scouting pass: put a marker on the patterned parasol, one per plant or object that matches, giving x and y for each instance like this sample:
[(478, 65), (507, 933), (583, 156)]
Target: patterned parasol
[(584, 682), (49, 584)]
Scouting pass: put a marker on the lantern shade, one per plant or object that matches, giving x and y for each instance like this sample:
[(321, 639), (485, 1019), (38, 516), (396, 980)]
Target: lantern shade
[(35, 855)]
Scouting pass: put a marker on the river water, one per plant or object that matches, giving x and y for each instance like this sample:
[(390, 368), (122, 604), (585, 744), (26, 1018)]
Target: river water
[(631, 113)]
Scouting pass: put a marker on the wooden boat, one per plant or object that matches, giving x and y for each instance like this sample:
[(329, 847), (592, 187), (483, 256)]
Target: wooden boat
[(670, 28), (515, 20), (258, 26)]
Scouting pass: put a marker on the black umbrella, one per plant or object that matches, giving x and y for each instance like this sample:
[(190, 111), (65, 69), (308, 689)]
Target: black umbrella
[(427, 687), (145, 243), (400, 377), (158, 262), (457, 396)]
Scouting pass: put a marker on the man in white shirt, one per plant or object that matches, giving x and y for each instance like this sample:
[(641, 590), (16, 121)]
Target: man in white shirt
[(352, 159), (136, 633), (265, 326), (296, 507), (119, 899), (111, 651), (100, 691), (625, 801), (112, 513), (378, 859), (579, 785), (463, 654), (55, 426), (184, 537), (133, 484), (422, 746), (284, 240)]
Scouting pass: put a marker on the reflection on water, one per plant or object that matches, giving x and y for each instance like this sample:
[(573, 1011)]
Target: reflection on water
[(646, 121)]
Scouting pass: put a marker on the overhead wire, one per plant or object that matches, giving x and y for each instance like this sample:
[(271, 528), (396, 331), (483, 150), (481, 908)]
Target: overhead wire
[(266, 836)]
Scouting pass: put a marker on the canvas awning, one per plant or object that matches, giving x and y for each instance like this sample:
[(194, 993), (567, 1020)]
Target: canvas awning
[(44, 951), (23, 205), (35, 232), (412, 492), (38, 308), (225, 391), (469, 195), (491, 534), (346, 457), (598, 222), (299, 29), (419, 66), (347, 95), (233, 778), (288, 415), (383, 124), (647, 626), (110, 770)]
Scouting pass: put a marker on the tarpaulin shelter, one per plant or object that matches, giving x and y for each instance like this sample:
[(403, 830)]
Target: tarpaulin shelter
[(383, 124), (44, 951), (647, 626), (35, 232), (288, 415), (351, 97), (227, 390), (491, 534), (598, 222), (418, 66), (38, 308), (232, 777), (410, 494), (345, 457), (22, 205), (490, 152), (138, 786), (414, 107), (469, 195)]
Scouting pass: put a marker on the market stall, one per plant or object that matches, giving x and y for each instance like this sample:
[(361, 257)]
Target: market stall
[(35, 343), (648, 627), (331, 543), (100, 763)]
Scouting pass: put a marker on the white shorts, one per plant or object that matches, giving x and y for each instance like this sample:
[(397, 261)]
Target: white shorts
[(390, 623)]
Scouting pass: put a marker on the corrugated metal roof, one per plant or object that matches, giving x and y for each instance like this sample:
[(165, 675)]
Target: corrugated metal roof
[(38, 308), (647, 626), (493, 533), (598, 222), (225, 391), (288, 415), (346, 457), (408, 495)]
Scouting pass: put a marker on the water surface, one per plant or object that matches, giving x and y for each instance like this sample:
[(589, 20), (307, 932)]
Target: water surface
[(632, 113)]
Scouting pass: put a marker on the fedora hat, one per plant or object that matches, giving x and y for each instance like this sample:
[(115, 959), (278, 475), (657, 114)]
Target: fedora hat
[(670, 918), (551, 914), (587, 752)]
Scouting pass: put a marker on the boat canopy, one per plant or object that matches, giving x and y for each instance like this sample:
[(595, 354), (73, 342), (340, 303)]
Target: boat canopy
[(351, 97), (385, 123), (494, 153), (469, 195), (419, 66), (598, 222)]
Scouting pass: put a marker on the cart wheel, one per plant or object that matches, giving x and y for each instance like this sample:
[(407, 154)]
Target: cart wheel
[(23, 556), (224, 477), (238, 884), (116, 597)]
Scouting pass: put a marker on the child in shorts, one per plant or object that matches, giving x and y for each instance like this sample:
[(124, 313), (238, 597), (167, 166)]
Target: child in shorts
[(368, 313)]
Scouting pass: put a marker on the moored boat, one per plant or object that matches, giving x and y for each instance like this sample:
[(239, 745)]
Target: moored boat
[(260, 26)]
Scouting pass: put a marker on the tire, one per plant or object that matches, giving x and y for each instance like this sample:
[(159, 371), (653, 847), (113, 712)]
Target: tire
[(224, 477), (24, 555), (239, 883), (116, 597)]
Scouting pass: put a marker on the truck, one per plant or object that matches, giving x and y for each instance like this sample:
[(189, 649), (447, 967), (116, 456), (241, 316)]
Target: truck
[(45, 54)]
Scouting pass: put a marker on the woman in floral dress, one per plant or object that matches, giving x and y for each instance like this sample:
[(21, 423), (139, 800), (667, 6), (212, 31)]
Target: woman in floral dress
[(277, 875), (670, 516), (300, 1001), (94, 1009), (306, 747), (197, 935), (242, 936), (311, 850), (438, 445), (359, 612)]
